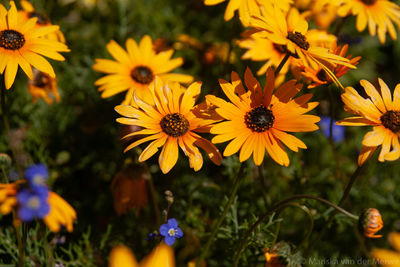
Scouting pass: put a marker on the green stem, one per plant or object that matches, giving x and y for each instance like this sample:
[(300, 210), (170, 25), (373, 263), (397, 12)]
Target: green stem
[(7, 126), (331, 142), (278, 206), (280, 66), (153, 196), (342, 200), (223, 215), (310, 226)]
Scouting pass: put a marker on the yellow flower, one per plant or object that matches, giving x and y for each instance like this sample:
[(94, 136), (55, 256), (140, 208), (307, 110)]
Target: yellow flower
[(170, 119), (248, 8), (380, 111), (21, 44), (8, 197), (258, 119), (42, 20), (135, 69), (291, 32), (324, 12), (61, 214), (389, 258), (43, 86), (262, 49), (378, 14), (161, 256)]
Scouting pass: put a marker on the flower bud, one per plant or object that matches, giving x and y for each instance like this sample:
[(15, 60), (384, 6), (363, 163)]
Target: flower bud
[(169, 197), (370, 223), (5, 161)]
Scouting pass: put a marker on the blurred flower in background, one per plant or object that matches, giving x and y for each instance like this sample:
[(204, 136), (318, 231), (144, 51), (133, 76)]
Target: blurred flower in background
[(43, 86), (135, 69), (389, 258), (337, 130)]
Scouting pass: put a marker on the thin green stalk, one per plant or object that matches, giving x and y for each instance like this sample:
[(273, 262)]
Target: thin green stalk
[(280, 66), (278, 206), (222, 216), (153, 196), (7, 125), (342, 200)]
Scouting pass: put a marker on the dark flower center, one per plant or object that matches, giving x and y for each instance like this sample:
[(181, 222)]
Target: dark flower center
[(321, 75), (41, 19), (174, 125), (11, 40), (259, 119), (369, 2), (142, 74), (298, 39), (391, 120), (41, 80)]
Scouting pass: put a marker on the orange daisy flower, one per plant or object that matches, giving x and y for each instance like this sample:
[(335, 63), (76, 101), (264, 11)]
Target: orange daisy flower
[(22, 44), (318, 76), (171, 121), (29, 12), (135, 69), (259, 119), (290, 31), (378, 14), (248, 8), (43, 86), (380, 111)]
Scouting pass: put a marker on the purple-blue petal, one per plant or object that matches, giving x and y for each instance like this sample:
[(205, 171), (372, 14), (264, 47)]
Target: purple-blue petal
[(172, 223), (179, 233), (26, 214), (169, 240), (164, 229)]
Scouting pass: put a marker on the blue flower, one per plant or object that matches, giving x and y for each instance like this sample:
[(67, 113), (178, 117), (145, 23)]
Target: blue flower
[(37, 175), (170, 231), (337, 130), (32, 204)]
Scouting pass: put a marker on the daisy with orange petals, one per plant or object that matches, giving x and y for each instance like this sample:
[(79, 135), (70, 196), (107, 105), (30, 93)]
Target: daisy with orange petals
[(290, 31), (319, 77), (248, 8), (380, 111), (135, 69), (379, 15), (259, 119), (21, 44), (170, 120)]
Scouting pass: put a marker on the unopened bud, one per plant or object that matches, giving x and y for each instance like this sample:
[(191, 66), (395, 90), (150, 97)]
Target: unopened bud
[(370, 223), (5, 161)]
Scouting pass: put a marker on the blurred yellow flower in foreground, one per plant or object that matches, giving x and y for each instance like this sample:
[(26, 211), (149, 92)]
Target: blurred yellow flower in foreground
[(161, 256), (389, 258)]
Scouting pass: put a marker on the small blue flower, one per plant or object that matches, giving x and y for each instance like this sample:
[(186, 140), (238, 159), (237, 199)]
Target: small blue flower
[(37, 175), (170, 231), (337, 130), (32, 204)]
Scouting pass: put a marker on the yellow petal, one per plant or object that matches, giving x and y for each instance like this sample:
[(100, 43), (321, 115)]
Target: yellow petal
[(121, 256)]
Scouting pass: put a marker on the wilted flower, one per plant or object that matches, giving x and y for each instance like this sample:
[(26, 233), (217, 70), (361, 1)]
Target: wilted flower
[(129, 187), (370, 222)]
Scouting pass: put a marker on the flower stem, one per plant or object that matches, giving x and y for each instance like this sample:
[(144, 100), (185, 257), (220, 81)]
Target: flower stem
[(7, 126), (342, 200), (153, 195), (279, 206), (280, 66), (223, 215)]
